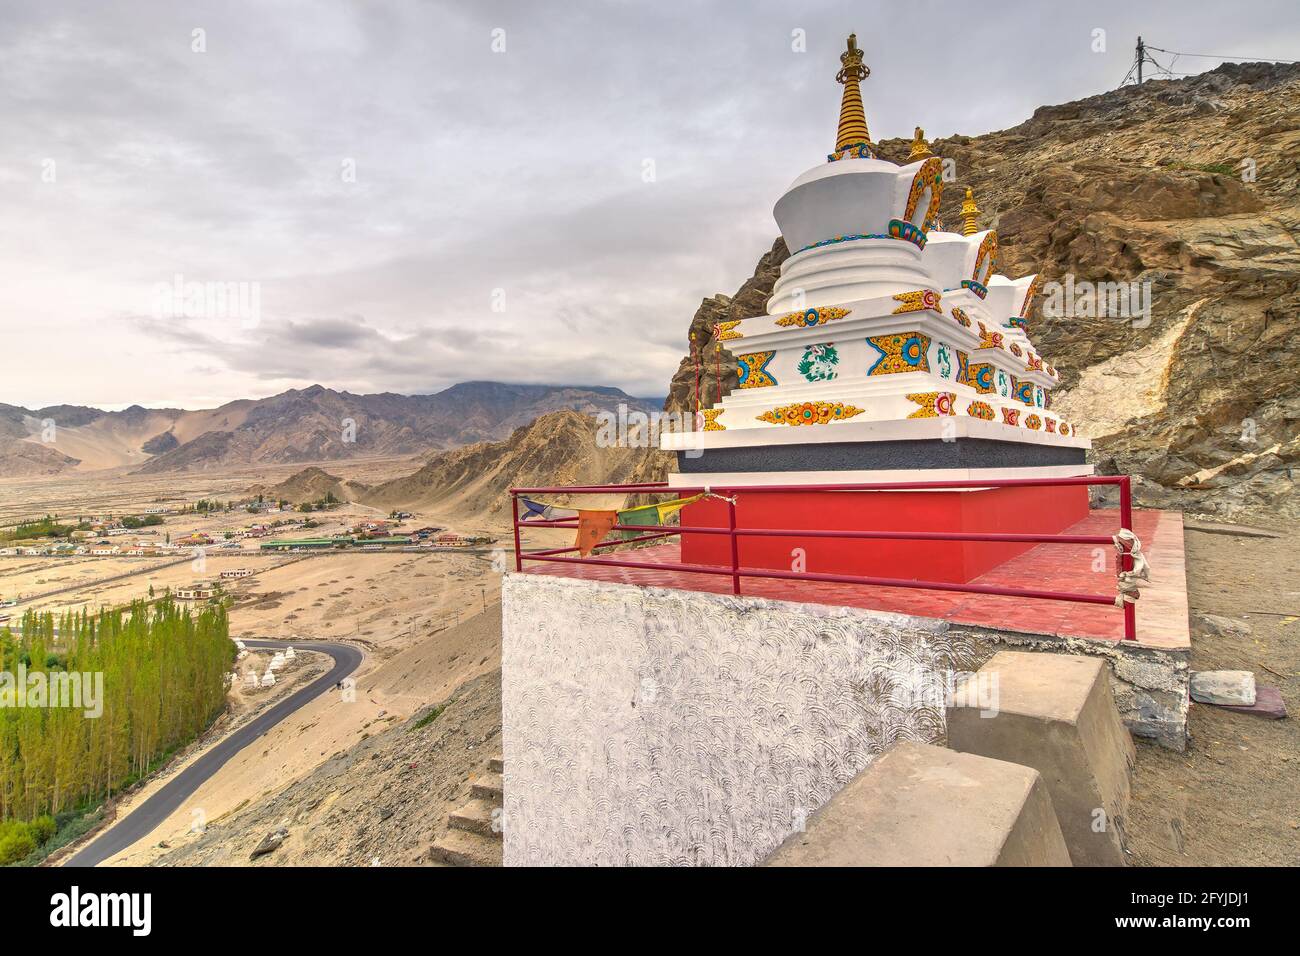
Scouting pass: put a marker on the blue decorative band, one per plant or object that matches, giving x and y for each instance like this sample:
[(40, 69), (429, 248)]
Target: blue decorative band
[(975, 287), (830, 242), (898, 229)]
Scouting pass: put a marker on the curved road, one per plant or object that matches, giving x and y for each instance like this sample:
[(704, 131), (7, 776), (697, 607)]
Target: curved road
[(162, 804)]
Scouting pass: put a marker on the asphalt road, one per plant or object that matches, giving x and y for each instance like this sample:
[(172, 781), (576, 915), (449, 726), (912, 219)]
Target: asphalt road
[(144, 818)]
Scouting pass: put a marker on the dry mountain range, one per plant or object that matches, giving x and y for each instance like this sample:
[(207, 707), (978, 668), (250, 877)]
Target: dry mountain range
[(311, 424)]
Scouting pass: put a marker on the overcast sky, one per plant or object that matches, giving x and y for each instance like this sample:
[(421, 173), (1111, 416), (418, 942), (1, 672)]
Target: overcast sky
[(418, 206)]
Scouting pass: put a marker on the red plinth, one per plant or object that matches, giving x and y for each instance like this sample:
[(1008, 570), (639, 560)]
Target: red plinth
[(1023, 510)]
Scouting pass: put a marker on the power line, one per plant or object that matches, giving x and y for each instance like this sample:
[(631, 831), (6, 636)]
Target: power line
[(1143, 57), (1216, 56)]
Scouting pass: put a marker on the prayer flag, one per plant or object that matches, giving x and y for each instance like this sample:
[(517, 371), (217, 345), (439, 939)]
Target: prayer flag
[(592, 528), (544, 511)]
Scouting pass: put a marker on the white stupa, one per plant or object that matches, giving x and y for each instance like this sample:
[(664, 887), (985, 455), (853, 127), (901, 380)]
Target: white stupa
[(890, 350)]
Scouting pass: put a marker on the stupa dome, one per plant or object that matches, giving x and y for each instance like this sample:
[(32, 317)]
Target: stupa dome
[(855, 225)]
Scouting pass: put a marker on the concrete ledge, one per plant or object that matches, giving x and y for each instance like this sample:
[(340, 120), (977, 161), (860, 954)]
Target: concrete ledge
[(920, 805), (1148, 684), (1055, 713)]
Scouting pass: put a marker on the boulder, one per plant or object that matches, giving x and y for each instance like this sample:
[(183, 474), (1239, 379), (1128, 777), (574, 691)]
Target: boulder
[(1214, 625), (270, 843), (1224, 687)]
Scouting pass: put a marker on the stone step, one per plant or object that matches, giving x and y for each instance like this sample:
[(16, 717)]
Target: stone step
[(497, 764), (1055, 713), (475, 817), (488, 787), (921, 805), (462, 848)]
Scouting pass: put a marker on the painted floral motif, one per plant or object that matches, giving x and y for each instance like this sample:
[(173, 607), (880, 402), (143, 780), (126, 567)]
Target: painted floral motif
[(810, 317), (753, 371), (981, 376), (1016, 350), (1049, 425), (1004, 384), (1033, 422), (1033, 363), (961, 316), (1023, 391), (933, 404), (711, 423), (980, 290), (989, 339), (982, 410), (1010, 416), (727, 330), (819, 361), (809, 413), (1063, 429), (922, 300), (944, 356), (900, 352)]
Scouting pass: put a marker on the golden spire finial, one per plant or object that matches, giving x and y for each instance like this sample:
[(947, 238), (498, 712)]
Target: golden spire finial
[(968, 213), (920, 148), (853, 119)]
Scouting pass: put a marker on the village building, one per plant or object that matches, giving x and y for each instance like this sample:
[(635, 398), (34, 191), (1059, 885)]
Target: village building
[(198, 591)]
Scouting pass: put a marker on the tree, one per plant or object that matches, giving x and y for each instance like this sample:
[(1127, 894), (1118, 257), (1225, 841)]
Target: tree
[(163, 679)]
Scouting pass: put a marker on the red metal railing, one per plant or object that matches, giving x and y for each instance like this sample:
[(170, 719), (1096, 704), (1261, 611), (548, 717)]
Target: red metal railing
[(736, 571)]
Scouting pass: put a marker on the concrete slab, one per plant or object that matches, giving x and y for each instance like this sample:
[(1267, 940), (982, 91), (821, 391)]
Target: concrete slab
[(1055, 713), (921, 805)]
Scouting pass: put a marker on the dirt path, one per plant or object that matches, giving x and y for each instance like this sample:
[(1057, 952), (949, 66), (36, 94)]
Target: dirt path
[(1234, 798)]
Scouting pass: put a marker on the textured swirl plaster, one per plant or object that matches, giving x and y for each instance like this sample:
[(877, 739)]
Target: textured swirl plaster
[(652, 726)]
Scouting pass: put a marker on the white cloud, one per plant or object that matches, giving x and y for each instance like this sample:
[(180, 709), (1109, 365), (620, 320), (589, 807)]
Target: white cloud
[(475, 171)]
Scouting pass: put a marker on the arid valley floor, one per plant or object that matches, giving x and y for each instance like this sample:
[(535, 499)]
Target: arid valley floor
[(370, 781)]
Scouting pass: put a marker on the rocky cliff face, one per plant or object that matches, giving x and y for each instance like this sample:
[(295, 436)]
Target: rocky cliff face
[(1188, 188)]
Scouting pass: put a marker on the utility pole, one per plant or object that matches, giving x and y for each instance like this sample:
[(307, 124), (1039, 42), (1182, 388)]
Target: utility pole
[(1141, 55)]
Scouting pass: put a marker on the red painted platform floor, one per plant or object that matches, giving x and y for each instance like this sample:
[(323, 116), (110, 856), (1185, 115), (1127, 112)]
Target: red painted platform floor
[(1161, 610)]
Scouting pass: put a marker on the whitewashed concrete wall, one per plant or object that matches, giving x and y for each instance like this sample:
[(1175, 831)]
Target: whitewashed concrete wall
[(650, 726)]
